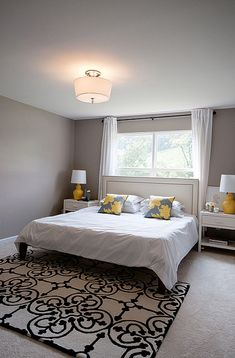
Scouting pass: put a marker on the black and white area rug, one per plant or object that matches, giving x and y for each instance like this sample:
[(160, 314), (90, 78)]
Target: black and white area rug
[(86, 308)]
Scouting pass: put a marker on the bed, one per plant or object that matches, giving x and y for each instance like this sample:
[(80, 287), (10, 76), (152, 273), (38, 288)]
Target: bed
[(128, 239)]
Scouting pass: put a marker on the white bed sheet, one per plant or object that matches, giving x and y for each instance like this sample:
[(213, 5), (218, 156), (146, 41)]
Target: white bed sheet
[(128, 239)]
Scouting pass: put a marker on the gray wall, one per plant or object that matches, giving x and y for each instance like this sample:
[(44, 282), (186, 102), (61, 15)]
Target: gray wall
[(36, 158), (89, 136), (160, 124), (223, 145)]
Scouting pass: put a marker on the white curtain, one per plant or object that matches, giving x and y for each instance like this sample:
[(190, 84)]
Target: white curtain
[(201, 142), (108, 151)]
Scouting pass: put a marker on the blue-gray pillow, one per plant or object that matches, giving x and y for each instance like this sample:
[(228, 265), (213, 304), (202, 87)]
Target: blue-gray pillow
[(160, 208)]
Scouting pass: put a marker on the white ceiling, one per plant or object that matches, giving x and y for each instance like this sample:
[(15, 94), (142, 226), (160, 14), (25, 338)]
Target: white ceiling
[(161, 55)]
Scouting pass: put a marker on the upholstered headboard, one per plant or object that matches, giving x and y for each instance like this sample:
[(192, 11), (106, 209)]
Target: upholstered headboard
[(184, 190)]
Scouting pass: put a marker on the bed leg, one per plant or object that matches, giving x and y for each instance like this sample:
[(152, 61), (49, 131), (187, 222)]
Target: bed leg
[(161, 287), (23, 250)]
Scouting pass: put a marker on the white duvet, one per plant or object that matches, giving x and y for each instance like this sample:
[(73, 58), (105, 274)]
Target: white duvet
[(128, 239)]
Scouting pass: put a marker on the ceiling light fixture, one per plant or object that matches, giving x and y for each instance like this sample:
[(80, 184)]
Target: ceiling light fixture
[(92, 88)]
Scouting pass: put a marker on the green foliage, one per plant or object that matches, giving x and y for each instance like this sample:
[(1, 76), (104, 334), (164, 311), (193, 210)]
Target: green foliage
[(177, 153), (135, 151)]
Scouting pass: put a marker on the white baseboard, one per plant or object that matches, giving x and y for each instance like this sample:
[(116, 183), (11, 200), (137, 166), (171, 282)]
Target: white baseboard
[(8, 238)]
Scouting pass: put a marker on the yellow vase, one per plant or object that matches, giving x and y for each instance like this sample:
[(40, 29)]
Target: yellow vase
[(78, 192), (229, 204)]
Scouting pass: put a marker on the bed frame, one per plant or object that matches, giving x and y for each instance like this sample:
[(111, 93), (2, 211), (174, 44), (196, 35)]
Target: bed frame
[(184, 190)]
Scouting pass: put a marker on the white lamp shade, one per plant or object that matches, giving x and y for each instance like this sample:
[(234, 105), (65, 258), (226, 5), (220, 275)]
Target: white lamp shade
[(78, 177), (92, 89), (227, 183)]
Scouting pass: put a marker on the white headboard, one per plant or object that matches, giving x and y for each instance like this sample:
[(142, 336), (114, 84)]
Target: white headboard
[(184, 190)]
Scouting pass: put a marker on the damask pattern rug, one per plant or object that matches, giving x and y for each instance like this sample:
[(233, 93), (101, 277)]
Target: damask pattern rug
[(86, 308)]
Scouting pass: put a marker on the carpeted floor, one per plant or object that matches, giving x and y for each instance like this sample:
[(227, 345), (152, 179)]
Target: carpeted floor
[(204, 326)]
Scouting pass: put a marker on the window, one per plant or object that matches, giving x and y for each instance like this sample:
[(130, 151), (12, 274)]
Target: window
[(163, 154)]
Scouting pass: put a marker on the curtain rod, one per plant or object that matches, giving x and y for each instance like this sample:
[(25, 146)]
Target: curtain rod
[(152, 118)]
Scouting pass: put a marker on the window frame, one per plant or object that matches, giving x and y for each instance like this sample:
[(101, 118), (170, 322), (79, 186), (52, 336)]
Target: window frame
[(153, 170)]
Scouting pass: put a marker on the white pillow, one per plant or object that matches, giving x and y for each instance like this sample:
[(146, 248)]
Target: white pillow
[(177, 209), (134, 199), (131, 208), (132, 204)]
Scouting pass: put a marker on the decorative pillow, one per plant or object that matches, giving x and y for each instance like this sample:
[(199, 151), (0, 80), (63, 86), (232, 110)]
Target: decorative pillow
[(131, 205), (160, 208), (177, 209), (112, 204)]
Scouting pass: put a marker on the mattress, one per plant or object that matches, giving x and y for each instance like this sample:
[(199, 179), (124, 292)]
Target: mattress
[(128, 239)]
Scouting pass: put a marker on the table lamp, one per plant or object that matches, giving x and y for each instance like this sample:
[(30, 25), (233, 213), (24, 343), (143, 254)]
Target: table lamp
[(78, 177), (227, 185)]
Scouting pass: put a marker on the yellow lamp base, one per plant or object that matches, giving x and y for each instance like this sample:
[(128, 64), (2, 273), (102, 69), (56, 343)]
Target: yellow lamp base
[(229, 204), (78, 192)]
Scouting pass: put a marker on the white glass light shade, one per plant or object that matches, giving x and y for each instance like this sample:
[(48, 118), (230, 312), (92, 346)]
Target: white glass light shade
[(92, 89), (227, 183), (78, 177)]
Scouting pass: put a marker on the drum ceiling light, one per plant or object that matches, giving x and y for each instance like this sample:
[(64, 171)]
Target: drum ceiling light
[(92, 88)]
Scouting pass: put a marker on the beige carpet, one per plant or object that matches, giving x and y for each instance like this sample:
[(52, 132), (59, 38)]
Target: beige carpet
[(204, 326)]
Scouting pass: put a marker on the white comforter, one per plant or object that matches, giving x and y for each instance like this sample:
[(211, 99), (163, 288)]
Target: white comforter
[(128, 239)]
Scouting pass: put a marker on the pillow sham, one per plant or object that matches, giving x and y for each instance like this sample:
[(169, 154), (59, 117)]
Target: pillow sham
[(177, 209), (160, 208), (112, 204), (134, 199), (144, 206), (131, 208), (132, 204)]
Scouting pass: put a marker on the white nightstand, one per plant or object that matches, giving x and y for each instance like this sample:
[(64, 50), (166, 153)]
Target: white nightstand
[(74, 205), (215, 220)]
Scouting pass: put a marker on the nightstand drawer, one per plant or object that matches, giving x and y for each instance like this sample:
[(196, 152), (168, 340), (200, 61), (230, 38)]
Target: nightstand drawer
[(218, 221), (74, 206)]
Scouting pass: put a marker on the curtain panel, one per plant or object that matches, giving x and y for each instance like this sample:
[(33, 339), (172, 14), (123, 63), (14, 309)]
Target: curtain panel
[(108, 151), (201, 142)]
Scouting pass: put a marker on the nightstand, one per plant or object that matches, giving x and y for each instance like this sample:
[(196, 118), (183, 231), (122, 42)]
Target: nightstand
[(74, 205), (215, 220)]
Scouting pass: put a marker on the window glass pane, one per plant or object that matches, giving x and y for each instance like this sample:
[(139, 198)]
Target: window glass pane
[(135, 172), (134, 152), (171, 173), (170, 156), (174, 152)]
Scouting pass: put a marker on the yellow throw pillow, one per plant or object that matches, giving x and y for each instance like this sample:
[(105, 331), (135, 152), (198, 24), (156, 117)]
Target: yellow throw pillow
[(160, 208), (113, 204)]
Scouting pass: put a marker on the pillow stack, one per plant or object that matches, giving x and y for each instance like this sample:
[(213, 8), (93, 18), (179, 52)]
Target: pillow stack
[(115, 204), (158, 207)]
